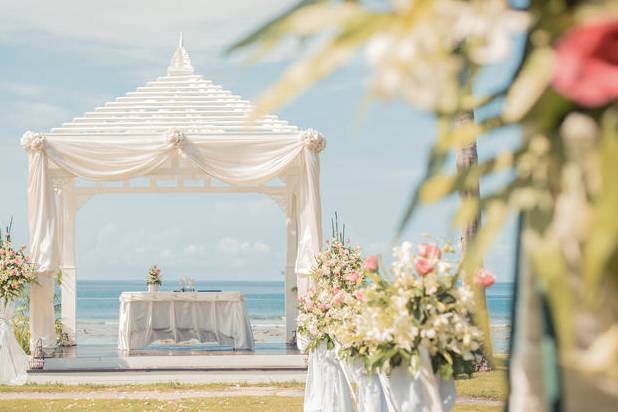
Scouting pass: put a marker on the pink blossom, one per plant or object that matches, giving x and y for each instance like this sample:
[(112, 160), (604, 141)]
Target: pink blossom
[(423, 266), (359, 295), (429, 251), (371, 264), (485, 278), (323, 307), (352, 277), (338, 298), (586, 69)]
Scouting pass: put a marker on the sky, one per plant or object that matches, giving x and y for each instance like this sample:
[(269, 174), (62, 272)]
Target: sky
[(60, 59)]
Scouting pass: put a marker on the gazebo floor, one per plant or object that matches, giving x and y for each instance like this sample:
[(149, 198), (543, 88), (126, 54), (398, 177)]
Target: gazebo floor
[(106, 358)]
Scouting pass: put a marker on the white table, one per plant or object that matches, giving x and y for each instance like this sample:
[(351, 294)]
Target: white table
[(147, 317)]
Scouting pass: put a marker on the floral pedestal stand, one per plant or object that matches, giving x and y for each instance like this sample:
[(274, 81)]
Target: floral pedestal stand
[(365, 389), (13, 360), (326, 389), (421, 391)]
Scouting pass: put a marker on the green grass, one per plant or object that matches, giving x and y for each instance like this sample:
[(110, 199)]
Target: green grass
[(485, 385), (239, 404), (477, 408), (482, 386), (158, 387)]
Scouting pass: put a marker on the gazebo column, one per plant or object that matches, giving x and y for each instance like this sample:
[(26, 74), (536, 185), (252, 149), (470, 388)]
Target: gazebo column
[(68, 286), (291, 292)]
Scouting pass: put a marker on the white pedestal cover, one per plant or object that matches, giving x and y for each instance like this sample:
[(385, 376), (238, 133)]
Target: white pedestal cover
[(13, 360), (366, 389), (206, 316), (326, 389), (419, 392)]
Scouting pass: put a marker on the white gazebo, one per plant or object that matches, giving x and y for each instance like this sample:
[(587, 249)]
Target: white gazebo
[(179, 133)]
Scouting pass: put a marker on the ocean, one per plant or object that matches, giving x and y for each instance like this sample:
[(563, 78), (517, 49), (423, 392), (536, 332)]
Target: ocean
[(98, 306)]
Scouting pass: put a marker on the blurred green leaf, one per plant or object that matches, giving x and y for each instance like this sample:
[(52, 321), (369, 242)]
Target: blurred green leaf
[(535, 76), (338, 51), (273, 29), (602, 251), (440, 186), (549, 267)]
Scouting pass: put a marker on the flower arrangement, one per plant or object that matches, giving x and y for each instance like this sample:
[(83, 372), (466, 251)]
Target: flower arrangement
[(336, 277), (154, 276), (421, 307), (16, 270)]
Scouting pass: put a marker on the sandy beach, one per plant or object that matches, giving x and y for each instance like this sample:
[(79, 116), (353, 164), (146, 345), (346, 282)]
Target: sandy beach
[(106, 332), (264, 331)]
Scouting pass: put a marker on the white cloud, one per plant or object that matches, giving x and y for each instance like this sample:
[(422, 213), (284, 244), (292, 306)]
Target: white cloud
[(37, 116), (233, 246), (261, 247), (21, 89), (138, 23)]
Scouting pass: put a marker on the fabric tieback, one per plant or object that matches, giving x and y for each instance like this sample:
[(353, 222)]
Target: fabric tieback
[(314, 140), (176, 138), (33, 142)]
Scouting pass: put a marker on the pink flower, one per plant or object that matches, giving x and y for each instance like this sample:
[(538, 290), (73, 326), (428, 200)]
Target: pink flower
[(352, 277), (371, 264), (586, 67), (359, 295), (323, 307), (484, 278), (429, 251), (423, 266), (338, 298)]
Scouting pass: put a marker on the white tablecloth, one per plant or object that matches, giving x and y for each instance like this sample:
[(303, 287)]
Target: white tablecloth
[(181, 316)]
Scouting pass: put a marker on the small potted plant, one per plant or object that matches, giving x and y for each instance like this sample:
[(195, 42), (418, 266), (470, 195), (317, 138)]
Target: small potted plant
[(153, 280)]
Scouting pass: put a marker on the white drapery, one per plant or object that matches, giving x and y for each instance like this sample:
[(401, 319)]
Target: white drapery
[(13, 360), (236, 160)]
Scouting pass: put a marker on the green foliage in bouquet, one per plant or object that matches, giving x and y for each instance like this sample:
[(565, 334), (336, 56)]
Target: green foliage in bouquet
[(419, 307)]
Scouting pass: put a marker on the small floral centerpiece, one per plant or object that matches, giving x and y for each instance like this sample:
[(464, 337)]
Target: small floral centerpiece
[(420, 308), (153, 280), (16, 270), (336, 277)]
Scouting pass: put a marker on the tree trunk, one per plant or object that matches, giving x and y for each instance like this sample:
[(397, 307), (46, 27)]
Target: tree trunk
[(467, 157)]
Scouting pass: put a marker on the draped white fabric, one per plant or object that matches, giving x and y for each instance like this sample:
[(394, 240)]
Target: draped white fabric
[(422, 391), (364, 388), (238, 159), (205, 316), (326, 389), (13, 360)]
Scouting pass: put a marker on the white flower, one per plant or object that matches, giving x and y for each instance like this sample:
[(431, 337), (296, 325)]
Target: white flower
[(487, 26), (34, 142), (314, 140), (176, 138)]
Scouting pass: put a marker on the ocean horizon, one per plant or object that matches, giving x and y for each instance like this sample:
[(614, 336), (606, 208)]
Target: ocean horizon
[(98, 305)]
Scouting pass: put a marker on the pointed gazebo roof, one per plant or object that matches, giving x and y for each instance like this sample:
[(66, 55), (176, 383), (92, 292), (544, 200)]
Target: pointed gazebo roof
[(181, 100)]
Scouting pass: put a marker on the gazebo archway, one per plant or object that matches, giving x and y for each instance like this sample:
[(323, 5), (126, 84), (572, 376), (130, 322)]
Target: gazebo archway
[(178, 134)]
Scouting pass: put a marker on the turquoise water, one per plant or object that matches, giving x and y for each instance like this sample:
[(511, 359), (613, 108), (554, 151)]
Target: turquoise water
[(98, 299), (97, 303)]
